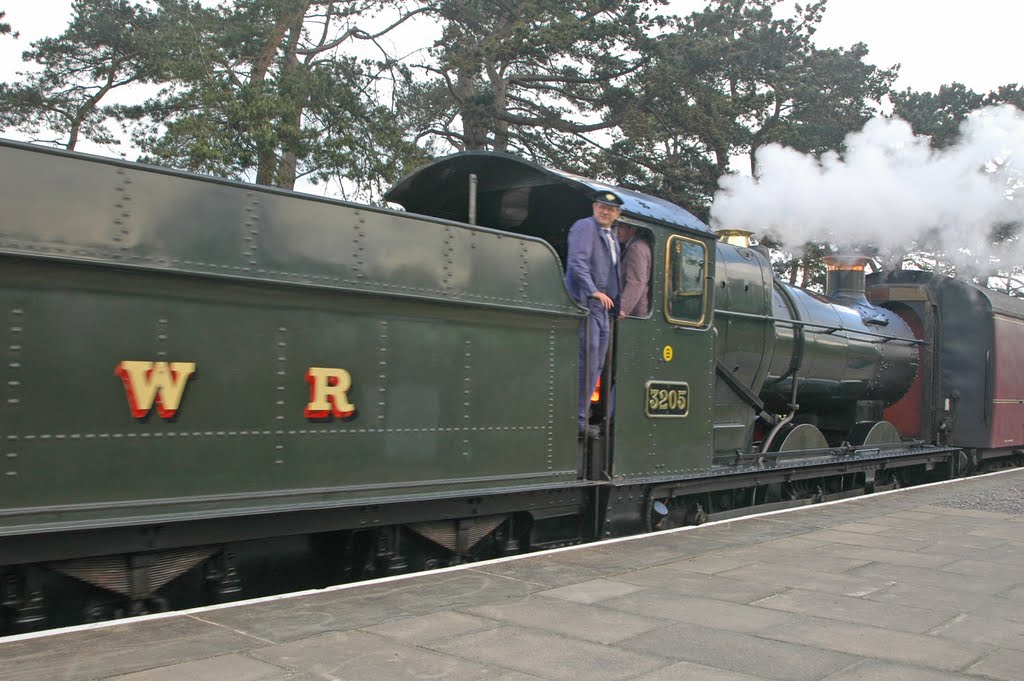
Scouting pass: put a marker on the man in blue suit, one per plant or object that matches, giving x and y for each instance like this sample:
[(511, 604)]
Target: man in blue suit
[(592, 276)]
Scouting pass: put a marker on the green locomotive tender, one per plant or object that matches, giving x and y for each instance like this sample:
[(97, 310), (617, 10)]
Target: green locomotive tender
[(191, 363)]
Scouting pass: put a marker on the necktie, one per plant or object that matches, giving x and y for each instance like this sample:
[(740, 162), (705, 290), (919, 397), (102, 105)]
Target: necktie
[(611, 245)]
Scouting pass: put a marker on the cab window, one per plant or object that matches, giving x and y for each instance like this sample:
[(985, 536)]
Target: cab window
[(685, 279)]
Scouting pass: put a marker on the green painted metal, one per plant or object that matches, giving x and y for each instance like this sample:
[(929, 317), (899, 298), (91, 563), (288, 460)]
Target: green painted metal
[(454, 337), (460, 344), (658, 349), (838, 351), (104, 211), (743, 283)]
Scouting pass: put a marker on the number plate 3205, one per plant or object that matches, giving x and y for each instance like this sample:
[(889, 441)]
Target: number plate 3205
[(667, 399)]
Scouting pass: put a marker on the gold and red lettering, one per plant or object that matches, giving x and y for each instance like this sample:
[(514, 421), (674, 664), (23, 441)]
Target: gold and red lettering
[(162, 383), (328, 393)]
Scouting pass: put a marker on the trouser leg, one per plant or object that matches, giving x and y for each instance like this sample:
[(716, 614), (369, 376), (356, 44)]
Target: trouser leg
[(593, 347)]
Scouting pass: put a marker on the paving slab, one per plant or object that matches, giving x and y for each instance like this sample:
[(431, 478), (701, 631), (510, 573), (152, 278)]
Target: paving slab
[(308, 615), (292, 619), (984, 629), (912, 515), (869, 540), (712, 563), (1015, 592), (863, 528), (994, 606), (882, 644), (222, 668), (945, 537), (1006, 665), (952, 581), (983, 516), (998, 571), (99, 653), (812, 577), (895, 557), (790, 544), (546, 573), (358, 655), (672, 578), (1010, 531), (871, 670), (1007, 554), (958, 551), (741, 653), (551, 656), (822, 559), (707, 612), (858, 610), (889, 587), (597, 624), (438, 626), (595, 590), (689, 670)]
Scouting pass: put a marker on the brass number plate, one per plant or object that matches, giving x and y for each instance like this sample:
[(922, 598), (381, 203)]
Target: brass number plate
[(667, 399)]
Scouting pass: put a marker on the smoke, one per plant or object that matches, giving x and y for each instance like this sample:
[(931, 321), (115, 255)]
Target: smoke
[(892, 192)]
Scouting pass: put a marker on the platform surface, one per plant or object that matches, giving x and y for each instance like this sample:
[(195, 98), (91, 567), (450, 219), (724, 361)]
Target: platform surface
[(917, 585)]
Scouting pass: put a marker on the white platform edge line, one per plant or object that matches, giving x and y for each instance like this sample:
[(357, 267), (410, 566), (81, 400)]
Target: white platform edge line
[(469, 566)]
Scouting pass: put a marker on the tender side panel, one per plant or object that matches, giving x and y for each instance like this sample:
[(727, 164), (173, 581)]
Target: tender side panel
[(440, 395), (76, 207), (441, 340)]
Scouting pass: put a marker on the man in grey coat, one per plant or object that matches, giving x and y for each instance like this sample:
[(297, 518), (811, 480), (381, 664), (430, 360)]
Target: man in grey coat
[(636, 272), (592, 276)]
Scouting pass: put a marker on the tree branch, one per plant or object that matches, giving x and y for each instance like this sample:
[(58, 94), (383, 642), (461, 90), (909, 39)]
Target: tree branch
[(360, 34)]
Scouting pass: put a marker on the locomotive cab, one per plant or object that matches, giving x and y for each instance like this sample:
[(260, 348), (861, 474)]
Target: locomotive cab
[(658, 377)]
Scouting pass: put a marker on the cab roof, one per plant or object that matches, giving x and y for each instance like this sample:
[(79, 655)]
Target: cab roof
[(513, 193)]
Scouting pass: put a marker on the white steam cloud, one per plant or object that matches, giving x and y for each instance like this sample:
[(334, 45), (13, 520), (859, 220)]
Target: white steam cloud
[(890, 190)]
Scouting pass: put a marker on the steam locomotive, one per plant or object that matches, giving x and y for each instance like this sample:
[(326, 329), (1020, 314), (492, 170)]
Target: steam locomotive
[(194, 366)]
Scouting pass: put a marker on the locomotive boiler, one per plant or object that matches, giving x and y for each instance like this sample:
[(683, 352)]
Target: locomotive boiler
[(828, 363), (195, 368)]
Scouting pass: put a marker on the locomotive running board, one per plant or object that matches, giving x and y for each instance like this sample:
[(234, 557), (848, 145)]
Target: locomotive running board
[(767, 472)]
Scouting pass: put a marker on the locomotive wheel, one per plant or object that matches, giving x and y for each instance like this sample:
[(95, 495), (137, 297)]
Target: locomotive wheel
[(800, 437), (874, 433)]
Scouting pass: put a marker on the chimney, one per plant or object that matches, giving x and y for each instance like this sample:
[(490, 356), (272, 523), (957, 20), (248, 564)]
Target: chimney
[(846, 277), (735, 237)]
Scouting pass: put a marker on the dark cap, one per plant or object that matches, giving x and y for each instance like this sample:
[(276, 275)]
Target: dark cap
[(608, 198)]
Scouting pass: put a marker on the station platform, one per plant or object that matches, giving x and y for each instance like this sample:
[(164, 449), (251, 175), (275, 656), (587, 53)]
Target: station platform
[(912, 585)]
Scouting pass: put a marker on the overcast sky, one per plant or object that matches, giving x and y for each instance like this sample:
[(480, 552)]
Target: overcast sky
[(933, 46), (976, 43)]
